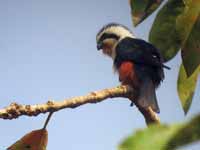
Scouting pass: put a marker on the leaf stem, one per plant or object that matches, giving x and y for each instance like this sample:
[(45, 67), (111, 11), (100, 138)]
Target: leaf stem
[(47, 120)]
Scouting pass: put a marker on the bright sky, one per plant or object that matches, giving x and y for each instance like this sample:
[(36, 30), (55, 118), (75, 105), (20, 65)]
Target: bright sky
[(48, 51)]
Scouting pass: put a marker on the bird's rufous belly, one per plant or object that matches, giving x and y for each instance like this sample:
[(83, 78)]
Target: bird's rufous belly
[(127, 74)]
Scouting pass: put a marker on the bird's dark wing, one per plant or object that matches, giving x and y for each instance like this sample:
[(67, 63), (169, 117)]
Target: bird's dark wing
[(140, 52)]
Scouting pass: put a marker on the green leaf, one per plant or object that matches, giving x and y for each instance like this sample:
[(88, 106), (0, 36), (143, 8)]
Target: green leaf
[(141, 9), (163, 33), (163, 137), (188, 25), (186, 87), (186, 21), (191, 51), (177, 26)]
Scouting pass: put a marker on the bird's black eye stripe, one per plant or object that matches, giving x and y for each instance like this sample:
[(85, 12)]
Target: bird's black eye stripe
[(108, 36)]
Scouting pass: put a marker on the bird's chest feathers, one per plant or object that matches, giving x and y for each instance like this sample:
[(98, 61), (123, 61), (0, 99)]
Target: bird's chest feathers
[(127, 73)]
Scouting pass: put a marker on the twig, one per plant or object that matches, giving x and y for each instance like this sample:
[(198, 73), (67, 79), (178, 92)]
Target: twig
[(15, 110)]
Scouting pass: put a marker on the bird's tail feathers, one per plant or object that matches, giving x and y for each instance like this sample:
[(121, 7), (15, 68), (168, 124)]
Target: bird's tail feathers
[(147, 96)]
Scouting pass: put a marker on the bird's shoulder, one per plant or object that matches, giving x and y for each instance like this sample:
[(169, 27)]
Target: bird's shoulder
[(139, 51), (133, 44)]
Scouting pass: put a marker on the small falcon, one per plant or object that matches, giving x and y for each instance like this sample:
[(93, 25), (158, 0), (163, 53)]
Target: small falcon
[(138, 63)]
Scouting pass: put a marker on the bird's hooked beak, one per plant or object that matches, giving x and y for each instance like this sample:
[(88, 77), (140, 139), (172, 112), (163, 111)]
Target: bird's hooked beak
[(99, 45)]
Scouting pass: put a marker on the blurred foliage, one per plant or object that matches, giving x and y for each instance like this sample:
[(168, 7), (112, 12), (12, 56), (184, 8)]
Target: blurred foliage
[(176, 27), (163, 137), (35, 140), (141, 9)]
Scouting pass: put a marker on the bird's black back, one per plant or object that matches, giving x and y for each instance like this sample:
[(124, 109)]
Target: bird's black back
[(147, 59)]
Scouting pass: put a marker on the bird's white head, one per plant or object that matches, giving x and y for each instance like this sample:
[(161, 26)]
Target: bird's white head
[(110, 35)]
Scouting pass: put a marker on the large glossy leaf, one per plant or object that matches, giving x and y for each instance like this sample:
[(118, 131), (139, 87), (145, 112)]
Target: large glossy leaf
[(141, 9), (35, 140), (191, 50), (186, 21), (163, 137), (163, 33), (176, 26), (186, 87)]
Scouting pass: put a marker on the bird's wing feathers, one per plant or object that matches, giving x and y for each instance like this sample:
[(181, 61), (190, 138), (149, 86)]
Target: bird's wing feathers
[(147, 96), (139, 51)]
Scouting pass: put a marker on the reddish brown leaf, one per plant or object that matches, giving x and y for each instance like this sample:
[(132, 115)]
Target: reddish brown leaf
[(35, 140)]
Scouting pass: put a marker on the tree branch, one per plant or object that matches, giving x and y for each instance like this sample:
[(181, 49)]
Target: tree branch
[(15, 110)]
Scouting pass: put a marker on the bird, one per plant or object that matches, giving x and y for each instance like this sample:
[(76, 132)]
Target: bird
[(138, 63)]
